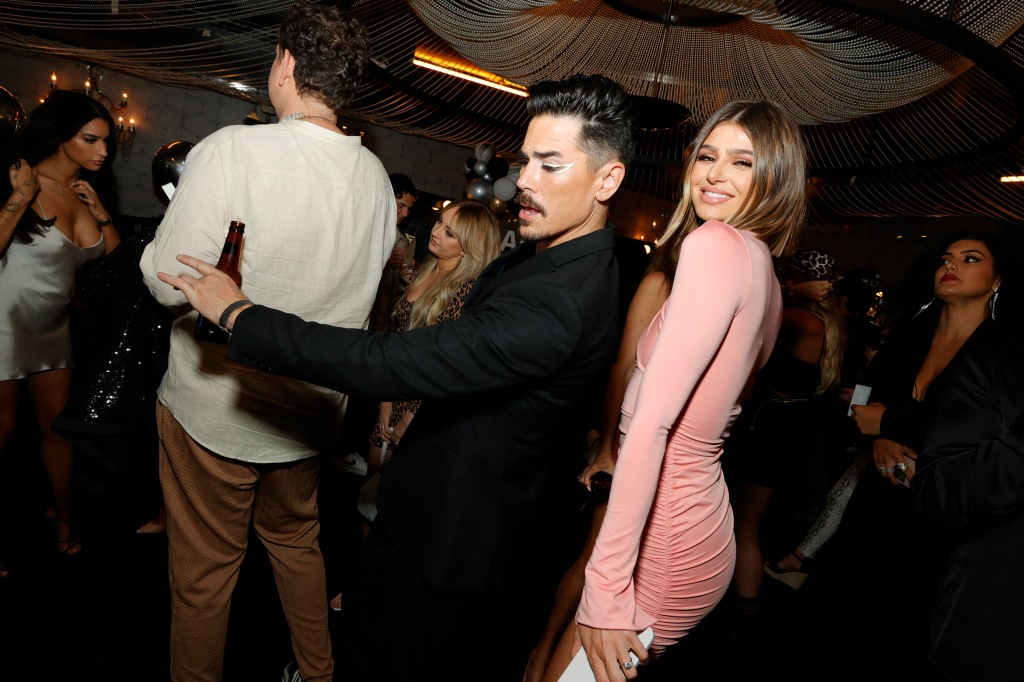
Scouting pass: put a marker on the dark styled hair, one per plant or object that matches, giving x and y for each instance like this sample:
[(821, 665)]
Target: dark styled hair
[(913, 298), (51, 124), (330, 47), (776, 205), (401, 184), (57, 120), (604, 110), (1006, 307), (1000, 254)]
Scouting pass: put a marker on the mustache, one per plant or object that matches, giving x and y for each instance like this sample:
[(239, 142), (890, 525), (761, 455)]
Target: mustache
[(526, 201)]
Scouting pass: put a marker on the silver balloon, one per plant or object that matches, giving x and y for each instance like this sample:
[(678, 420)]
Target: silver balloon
[(479, 190), (505, 188), (484, 152), (12, 117), (168, 162)]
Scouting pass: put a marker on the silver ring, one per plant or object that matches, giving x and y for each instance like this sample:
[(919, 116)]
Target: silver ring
[(628, 665), (888, 470), (880, 468), (901, 466)]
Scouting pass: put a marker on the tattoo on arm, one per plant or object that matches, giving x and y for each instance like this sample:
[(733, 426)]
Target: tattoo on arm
[(13, 206)]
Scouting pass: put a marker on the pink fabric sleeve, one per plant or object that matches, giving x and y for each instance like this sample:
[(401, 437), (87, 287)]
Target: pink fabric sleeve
[(710, 286)]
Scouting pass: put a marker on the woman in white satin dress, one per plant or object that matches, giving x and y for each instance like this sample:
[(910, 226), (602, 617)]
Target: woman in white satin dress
[(53, 221)]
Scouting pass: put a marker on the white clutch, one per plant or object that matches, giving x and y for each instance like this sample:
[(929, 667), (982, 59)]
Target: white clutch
[(579, 668)]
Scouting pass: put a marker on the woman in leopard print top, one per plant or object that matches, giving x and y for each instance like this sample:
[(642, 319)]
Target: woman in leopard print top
[(463, 241)]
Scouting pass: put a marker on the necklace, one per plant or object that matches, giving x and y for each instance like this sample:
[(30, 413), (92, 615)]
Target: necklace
[(299, 115), (60, 185)]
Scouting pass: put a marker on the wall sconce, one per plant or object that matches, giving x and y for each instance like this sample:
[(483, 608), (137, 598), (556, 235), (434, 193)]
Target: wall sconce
[(125, 136)]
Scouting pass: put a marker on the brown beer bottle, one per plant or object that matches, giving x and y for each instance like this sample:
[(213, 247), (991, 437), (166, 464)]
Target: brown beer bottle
[(229, 263)]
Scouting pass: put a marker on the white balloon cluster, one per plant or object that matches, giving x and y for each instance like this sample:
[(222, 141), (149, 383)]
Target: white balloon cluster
[(491, 179)]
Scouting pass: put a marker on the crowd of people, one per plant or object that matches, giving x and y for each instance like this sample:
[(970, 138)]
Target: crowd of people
[(487, 390)]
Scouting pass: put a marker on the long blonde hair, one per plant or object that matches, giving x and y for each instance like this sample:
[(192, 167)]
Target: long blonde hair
[(776, 205), (833, 347), (475, 227)]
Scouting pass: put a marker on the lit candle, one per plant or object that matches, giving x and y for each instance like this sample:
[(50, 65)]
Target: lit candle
[(131, 125), (53, 80), (124, 99), (120, 122), (88, 85)]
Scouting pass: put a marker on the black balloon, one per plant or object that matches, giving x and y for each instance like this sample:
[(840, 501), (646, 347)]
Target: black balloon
[(168, 162), (498, 167), (479, 190), (480, 168), (12, 117)]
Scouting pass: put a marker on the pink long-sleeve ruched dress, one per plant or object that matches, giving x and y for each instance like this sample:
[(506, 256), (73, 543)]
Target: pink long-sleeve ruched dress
[(665, 554)]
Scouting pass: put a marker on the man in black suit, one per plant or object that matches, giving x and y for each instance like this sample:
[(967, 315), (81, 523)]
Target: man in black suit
[(462, 508)]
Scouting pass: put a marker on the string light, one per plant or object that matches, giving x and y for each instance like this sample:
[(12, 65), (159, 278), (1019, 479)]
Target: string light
[(812, 60), (468, 72)]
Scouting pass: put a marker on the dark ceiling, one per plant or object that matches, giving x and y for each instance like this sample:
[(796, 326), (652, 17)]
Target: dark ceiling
[(910, 108)]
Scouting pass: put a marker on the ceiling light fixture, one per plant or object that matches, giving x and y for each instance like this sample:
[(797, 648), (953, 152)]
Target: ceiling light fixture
[(469, 72), (1012, 178), (656, 112)]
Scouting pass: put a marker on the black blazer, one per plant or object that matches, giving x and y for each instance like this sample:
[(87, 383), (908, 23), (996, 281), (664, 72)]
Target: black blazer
[(970, 479), (465, 497)]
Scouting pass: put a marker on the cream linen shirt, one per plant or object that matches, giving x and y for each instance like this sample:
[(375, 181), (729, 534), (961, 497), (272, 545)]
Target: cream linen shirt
[(319, 218)]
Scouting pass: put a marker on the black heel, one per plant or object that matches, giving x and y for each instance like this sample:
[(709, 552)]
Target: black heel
[(72, 546), (792, 577)]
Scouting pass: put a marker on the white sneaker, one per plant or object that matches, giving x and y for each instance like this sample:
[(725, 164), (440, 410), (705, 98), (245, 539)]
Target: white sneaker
[(291, 673), (352, 463)]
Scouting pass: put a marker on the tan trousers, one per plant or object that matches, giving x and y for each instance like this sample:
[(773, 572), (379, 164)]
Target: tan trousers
[(210, 503)]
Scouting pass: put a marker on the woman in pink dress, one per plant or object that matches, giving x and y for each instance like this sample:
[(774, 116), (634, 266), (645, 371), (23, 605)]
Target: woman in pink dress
[(665, 554)]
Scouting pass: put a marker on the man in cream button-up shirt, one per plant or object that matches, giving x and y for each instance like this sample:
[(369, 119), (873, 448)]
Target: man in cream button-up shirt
[(238, 444)]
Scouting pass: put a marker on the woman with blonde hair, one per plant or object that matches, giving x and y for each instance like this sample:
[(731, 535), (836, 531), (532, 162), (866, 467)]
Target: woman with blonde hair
[(462, 242), (664, 556), (781, 422)]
